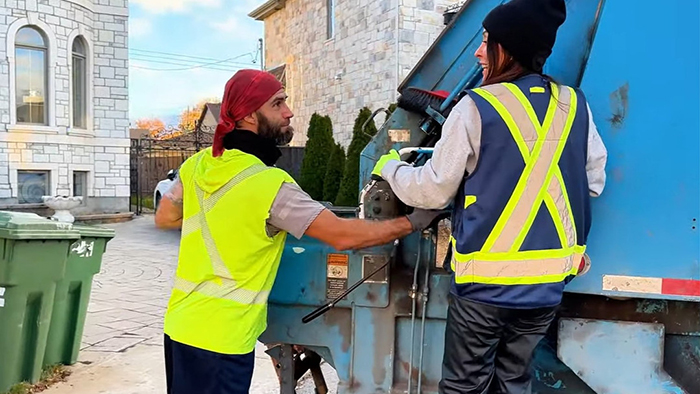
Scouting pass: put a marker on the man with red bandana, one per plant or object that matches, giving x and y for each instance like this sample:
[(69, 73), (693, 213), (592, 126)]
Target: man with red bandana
[(235, 210)]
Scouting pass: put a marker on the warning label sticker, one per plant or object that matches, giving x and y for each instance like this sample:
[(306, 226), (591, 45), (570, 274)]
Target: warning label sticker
[(336, 275)]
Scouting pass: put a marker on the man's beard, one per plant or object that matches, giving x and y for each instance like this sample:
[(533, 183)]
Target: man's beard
[(274, 132)]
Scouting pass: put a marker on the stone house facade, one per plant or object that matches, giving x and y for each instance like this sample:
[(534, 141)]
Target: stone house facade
[(64, 107), (337, 56)]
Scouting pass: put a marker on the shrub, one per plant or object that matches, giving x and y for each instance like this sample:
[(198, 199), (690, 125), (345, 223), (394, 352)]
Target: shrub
[(317, 152), (349, 188), (334, 174)]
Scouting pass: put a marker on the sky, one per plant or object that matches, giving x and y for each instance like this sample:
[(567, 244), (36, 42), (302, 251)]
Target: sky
[(211, 33)]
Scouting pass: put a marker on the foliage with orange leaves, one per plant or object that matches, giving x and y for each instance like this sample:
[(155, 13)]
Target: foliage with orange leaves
[(188, 118), (154, 126), (191, 115)]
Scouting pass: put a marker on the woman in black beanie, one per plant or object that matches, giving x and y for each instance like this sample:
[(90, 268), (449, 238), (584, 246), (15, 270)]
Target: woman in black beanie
[(519, 159), (519, 37)]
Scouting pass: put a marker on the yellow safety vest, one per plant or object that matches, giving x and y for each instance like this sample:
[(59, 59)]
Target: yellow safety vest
[(227, 263)]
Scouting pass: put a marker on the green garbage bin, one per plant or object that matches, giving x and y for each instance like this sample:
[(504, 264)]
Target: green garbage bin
[(73, 295), (33, 254)]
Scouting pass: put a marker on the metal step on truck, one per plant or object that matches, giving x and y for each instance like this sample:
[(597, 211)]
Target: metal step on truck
[(630, 324)]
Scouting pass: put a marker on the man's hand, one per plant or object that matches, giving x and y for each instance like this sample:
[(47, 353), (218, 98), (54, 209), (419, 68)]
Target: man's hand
[(392, 155), (423, 218)]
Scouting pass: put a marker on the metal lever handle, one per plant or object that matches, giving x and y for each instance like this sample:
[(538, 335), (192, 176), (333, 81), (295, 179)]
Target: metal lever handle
[(371, 118), (325, 308), (316, 313)]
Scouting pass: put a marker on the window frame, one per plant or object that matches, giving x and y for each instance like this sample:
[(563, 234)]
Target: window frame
[(85, 191), (87, 131), (45, 51), (89, 169), (85, 186), (84, 57), (15, 167), (33, 171), (330, 19), (34, 21)]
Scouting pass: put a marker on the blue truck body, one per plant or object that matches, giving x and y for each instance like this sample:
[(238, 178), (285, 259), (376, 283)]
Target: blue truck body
[(629, 325)]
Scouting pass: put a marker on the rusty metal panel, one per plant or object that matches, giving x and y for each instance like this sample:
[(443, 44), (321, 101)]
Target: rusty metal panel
[(616, 357)]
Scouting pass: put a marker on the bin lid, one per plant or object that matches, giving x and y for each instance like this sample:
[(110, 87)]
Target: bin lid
[(26, 225), (94, 231)]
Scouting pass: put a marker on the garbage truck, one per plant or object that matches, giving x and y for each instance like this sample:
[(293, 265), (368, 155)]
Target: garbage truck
[(630, 325)]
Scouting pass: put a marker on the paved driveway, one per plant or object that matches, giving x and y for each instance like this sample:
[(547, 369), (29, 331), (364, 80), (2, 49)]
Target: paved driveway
[(122, 343)]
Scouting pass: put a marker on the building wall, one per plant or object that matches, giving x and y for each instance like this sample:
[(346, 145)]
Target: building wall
[(102, 148), (209, 122), (360, 66)]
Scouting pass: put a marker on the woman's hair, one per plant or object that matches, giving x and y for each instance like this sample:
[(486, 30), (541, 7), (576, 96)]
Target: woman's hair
[(502, 66)]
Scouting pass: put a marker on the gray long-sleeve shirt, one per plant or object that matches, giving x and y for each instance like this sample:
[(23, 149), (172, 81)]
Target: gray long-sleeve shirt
[(435, 184)]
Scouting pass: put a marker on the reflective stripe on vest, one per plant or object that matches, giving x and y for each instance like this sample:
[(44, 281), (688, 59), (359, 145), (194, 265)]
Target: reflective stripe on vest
[(519, 268), (499, 261), (227, 288)]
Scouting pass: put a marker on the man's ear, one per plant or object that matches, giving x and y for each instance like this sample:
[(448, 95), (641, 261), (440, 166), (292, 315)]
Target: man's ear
[(252, 119)]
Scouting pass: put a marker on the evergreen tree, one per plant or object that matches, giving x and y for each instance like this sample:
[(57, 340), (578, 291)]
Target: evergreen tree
[(348, 194), (334, 174), (316, 154)]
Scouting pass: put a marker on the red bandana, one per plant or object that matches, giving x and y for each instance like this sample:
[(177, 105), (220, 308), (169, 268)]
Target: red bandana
[(245, 93)]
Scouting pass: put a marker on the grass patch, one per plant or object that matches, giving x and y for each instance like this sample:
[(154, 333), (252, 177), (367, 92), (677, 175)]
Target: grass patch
[(49, 376), (21, 388), (146, 202)]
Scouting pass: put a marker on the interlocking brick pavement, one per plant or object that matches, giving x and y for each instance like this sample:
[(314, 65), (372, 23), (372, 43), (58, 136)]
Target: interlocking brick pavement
[(130, 293), (121, 350)]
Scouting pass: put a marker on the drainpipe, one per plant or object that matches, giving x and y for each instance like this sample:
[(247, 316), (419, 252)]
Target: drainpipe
[(398, 68), (261, 48)]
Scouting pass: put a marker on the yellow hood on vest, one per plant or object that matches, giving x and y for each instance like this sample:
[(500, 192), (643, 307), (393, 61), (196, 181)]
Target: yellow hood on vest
[(212, 173)]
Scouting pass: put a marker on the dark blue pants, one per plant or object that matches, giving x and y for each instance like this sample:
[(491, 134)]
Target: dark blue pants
[(190, 370)]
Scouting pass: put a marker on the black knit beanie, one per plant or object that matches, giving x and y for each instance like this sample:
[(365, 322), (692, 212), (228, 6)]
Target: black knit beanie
[(526, 29)]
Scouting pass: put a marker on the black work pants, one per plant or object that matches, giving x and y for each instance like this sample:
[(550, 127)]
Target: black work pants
[(488, 350)]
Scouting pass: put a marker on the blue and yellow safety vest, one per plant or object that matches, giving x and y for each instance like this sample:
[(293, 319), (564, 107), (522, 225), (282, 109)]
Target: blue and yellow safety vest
[(521, 219)]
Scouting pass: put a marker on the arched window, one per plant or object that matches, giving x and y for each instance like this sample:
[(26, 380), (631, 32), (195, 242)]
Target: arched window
[(79, 76), (31, 76)]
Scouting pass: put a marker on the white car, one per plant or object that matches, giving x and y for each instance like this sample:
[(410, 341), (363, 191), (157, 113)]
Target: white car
[(163, 186)]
